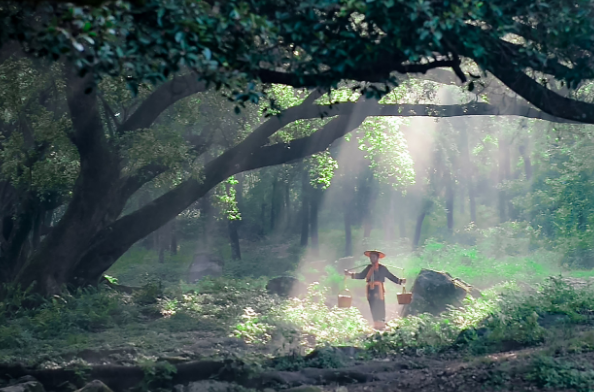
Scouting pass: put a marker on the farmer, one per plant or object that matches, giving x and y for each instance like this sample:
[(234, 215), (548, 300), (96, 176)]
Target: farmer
[(375, 274)]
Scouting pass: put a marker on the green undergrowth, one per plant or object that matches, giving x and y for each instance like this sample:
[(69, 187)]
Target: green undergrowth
[(549, 372), (504, 318), (164, 321)]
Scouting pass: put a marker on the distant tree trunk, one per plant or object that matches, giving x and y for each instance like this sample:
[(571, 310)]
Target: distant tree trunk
[(37, 225), (402, 224), (467, 173), (368, 217), (449, 202), (511, 210), (348, 236), (389, 217), (273, 205), (304, 208), (418, 228), (149, 241), (239, 190), (400, 208), (232, 228), (462, 197), (287, 208), (471, 200), (313, 220), (234, 239), (173, 243), (263, 220), (207, 210), (527, 162), (501, 177), (426, 205)]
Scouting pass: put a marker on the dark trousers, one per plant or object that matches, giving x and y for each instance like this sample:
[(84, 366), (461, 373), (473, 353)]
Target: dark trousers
[(377, 305)]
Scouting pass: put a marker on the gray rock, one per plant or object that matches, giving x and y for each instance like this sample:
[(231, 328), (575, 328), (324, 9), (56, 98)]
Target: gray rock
[(305, 388), (202, 266), (285, 286), (28, 386), (95, 386), (26, 379), (207, 386), (434, 291)]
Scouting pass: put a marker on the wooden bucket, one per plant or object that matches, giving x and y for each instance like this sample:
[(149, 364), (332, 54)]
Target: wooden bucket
[(404, 298), (345, 299)]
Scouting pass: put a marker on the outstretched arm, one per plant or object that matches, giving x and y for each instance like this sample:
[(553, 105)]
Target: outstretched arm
[(393, 277), (362, 274)]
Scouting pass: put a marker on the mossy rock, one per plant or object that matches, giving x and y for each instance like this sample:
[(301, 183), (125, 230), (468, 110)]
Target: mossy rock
[(285, 287), (28, 386), (434, 291)]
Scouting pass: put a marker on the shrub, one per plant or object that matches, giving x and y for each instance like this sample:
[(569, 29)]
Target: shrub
[(549, 372)]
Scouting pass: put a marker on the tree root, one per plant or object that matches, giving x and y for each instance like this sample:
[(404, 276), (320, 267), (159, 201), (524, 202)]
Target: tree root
[(121, 378)]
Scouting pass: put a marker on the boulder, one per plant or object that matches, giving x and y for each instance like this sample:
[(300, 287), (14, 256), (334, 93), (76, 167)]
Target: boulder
[(285, 286), (206, 386), (433, 291), (95, 386), (28, 386), (202, 266)]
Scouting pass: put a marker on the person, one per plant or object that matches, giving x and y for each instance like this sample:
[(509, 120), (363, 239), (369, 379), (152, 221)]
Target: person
[(376, 274)]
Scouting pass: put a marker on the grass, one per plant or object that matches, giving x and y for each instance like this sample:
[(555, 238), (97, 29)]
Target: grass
[(168, 317)]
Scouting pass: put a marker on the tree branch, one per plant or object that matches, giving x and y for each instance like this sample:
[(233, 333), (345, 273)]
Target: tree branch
[(374, 73), (163, 97), (538, 95), (251, 154)]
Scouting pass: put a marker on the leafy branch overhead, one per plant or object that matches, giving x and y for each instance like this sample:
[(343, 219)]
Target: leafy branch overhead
[(239, 43)]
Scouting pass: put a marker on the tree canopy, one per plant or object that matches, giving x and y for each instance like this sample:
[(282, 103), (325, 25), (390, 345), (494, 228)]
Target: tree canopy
[(101, 103), (320, 43)]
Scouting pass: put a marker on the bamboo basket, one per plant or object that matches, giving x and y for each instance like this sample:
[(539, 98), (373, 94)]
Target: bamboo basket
[(345, 300), (404, 298)]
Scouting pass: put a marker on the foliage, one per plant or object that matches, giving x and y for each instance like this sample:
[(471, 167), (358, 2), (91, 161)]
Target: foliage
[(387, 151), (310, 316), (150, 40), (550, 372)]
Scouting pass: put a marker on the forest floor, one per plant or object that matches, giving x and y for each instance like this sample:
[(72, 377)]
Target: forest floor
[(553, 366), (193, 354), (228, 335)]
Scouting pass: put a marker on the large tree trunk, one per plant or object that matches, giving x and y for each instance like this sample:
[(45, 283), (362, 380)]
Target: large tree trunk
[(98, 196), (252, 153)]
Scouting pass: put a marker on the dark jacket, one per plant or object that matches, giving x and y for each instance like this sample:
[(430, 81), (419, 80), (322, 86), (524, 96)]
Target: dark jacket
[(379, 276)]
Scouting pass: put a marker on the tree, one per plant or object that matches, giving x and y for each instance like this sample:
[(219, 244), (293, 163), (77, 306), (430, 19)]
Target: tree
[(115, 143), (319, 44)]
